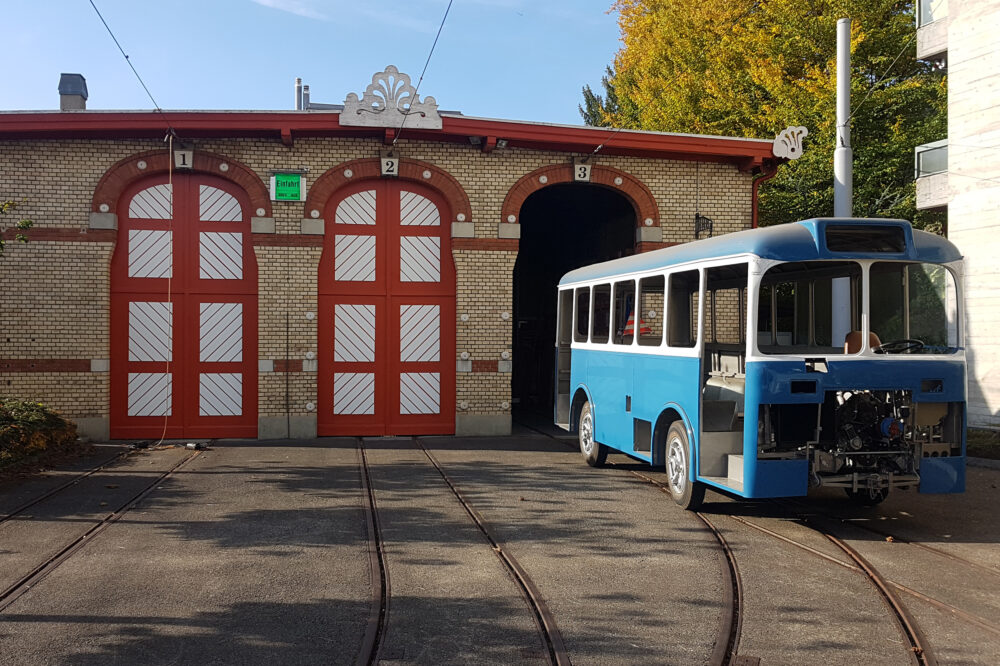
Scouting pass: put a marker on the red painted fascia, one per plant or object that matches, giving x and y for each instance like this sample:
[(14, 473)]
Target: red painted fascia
[(285, 126)]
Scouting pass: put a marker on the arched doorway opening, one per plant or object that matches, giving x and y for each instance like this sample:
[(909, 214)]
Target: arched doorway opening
[(563, 227)]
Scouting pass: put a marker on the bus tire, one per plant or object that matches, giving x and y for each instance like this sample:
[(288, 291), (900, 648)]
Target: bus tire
[(593, 452), (687, 493)]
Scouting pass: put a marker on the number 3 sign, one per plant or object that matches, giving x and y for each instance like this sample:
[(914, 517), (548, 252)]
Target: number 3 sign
[(581, 171)]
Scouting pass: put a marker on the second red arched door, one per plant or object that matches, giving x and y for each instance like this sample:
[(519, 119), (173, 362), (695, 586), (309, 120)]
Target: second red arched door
[(387, 313)]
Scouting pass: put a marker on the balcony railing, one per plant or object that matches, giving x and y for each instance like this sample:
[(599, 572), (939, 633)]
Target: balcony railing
[(930, 158)]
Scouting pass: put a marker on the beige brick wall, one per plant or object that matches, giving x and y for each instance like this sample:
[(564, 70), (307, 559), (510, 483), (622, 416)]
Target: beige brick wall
[(55, 294)]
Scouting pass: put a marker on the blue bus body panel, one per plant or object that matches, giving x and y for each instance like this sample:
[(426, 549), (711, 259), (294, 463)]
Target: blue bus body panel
[(942, 475), (797, 241), (769, 382), (652, 381)]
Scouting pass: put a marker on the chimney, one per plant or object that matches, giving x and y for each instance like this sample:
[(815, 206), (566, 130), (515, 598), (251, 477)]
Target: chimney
[(72, 92), (305, 98)]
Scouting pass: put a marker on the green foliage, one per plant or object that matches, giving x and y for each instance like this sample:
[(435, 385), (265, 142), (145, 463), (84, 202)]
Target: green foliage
[(7, 207), (29, 429), (752, 68)]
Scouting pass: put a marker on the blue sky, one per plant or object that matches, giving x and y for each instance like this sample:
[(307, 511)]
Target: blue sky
[(515, 59)]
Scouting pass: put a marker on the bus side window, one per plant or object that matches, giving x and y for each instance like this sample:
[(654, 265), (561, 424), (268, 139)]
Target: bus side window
[(682, 304), (650, 311), (624, 313), (602, 313), (582, 314), (565, 332)]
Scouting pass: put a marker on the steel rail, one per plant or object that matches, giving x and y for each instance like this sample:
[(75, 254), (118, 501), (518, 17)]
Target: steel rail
[(919, 647), (371, 645), (63, 486), (731, 622), (544, 618), (940, 605), (897, 539), (9, 595)]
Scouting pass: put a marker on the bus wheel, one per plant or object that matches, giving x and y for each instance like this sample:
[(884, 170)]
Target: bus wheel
[(689, 494), (594, 453)]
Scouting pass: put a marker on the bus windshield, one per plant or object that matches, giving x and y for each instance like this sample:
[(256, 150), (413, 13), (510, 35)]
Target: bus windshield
[(815, 307)]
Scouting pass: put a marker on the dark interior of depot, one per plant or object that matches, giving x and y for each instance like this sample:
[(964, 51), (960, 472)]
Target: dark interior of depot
[(563, 227)]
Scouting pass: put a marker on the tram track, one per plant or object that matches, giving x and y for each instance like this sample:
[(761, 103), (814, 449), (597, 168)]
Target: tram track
[(12, 592), (724, 652), (61, 487), (895, 537), (950, 609), (371, 644), (544, 619), (919, 647), (373, 640)]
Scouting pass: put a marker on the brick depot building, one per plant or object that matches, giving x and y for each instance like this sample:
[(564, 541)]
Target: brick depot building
[(409, 290)]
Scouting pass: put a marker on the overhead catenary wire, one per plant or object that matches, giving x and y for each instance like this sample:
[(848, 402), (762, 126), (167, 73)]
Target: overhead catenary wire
[(152, 99), (169, 139), (416, 90)]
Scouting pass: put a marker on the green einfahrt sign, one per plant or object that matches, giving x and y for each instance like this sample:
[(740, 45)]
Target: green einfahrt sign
[(287, 187)]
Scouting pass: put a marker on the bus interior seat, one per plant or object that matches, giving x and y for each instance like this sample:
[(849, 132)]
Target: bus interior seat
[(852, 341)]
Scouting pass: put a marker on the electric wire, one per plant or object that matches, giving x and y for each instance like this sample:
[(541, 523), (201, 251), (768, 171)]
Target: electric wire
[(169, 138), (132, 67), (416, 91)]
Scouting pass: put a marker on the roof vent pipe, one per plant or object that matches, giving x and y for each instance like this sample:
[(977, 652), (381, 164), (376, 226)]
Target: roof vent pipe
[(298, 94), (305, 98), (72, 92)]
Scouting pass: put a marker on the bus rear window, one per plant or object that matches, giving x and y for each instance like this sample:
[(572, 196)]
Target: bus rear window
[(867, 238)]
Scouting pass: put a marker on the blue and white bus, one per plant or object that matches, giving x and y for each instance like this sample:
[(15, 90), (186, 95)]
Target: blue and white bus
[(765, 362)]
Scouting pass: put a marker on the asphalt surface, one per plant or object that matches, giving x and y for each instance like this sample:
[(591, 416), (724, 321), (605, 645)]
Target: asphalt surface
[(255, 552)]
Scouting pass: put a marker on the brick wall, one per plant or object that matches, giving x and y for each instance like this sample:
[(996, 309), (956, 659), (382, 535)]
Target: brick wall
[(55, 294)]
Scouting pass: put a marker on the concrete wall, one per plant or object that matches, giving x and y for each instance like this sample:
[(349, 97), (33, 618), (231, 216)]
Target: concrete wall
[(974, 181)]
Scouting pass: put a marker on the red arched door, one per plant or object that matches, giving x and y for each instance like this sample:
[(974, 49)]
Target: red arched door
[(387, 313), (184, 311)]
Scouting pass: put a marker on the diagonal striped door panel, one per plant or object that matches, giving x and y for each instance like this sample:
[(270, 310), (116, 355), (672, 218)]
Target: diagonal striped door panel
[(419, 333), (420, 393), (217, 205), (152, 203), (183, 311), (150, 331), (416, 210), (354, 333), (150, 253), (355, 258), (353, 393), (358, 208), (419, 259), (221, 328), (387, 309)]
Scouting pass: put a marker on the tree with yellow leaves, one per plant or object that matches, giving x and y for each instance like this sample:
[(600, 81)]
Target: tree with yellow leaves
[(753, 67)]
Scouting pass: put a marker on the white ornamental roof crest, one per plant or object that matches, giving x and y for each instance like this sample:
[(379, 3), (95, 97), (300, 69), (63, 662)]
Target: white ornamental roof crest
[(390, 101)]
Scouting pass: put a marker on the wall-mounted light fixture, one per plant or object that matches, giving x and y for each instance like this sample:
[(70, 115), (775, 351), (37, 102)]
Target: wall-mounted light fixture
[(501, 144), (702, 224)]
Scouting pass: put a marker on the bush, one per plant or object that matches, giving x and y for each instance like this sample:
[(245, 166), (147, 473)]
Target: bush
[(32, 430)]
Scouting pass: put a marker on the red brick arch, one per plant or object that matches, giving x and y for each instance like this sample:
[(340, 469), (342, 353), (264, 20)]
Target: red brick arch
[(127, 171), (412, 170), (629, 186)]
